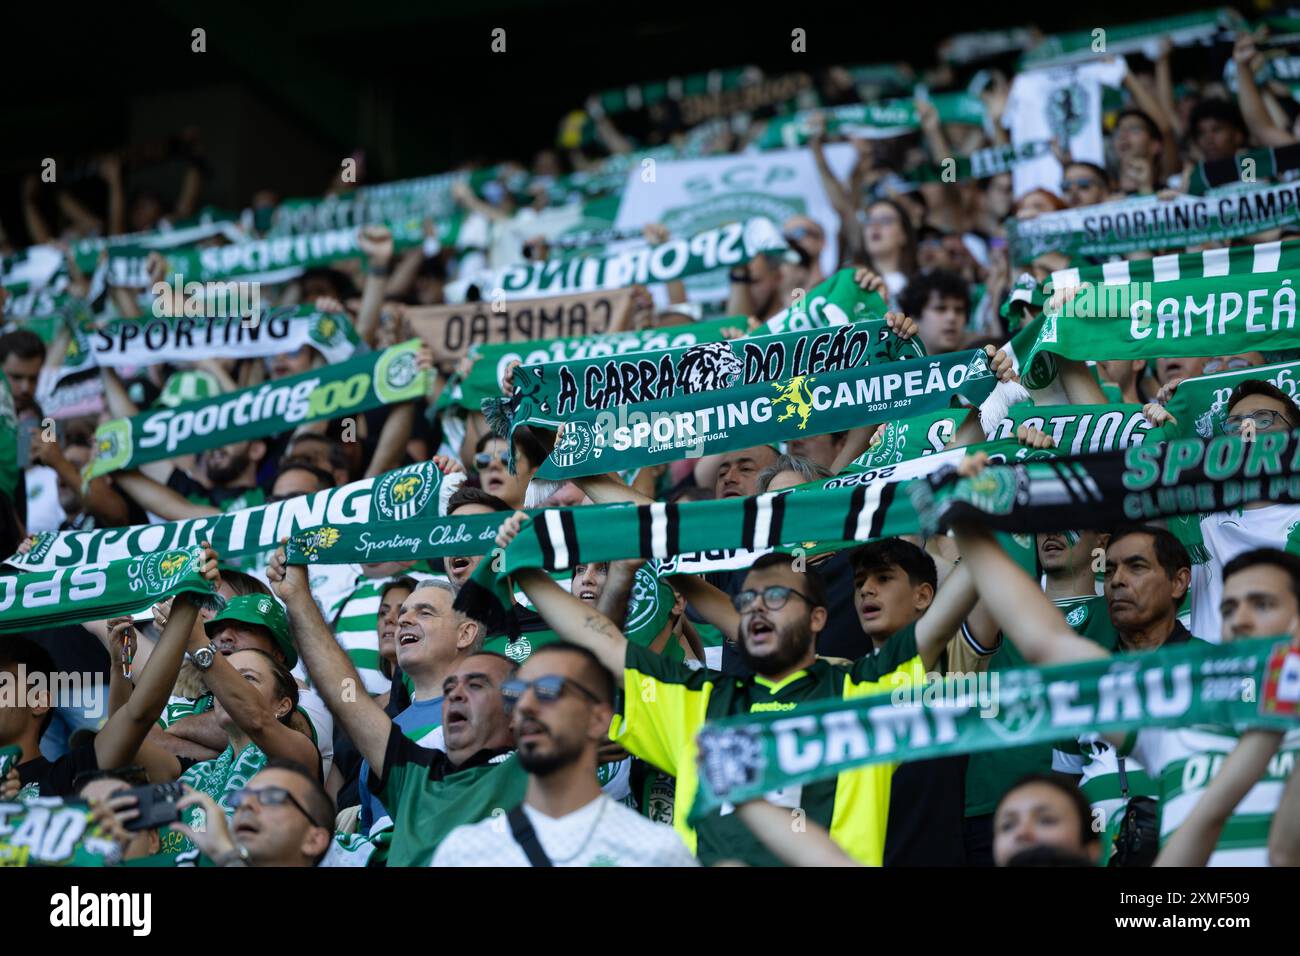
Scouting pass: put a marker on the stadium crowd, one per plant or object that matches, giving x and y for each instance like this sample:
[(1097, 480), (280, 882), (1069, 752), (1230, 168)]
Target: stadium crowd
[(498, 672)]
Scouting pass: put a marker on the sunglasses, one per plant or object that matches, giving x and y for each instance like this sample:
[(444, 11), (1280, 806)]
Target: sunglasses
[(269, 797), (775, 597), (1264, 418), (1069, 184), (547, 689), (483, 459)]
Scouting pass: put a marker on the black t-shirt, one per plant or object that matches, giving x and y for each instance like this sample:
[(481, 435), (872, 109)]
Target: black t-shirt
[(187, 487), (54, 779)]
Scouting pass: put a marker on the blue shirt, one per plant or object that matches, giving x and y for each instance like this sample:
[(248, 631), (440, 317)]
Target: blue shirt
[(418, 722)]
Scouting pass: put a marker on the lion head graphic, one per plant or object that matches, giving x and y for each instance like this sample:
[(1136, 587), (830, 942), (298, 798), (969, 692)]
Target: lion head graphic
[(706, 367)]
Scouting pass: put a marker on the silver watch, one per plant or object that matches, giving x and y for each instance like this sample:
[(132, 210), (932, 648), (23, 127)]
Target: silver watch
[(204, 656)]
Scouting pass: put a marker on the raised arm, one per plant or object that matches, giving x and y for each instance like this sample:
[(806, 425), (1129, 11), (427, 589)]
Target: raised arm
[(566, 615), (165, 502), (1284, 834), (1016, 602), (377, 243), (246, 707), (952, 603), (116, 745), (328, 665), (808, 845), (1194, 841), (712, 603)]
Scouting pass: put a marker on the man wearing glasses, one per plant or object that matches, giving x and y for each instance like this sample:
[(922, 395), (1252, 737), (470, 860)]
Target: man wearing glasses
[(1256, 407), (283, 817), (561, 704), (775, 619)]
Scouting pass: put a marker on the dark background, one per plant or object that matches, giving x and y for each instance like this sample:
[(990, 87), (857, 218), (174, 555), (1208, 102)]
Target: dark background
[(287, 89)]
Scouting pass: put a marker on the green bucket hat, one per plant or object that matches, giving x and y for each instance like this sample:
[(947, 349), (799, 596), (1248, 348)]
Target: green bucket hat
[(264, 611)]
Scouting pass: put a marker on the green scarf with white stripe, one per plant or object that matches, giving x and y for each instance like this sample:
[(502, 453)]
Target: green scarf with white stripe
[(95, 592), (1251, 682), (1140, 483), (871, 120), (1226, 314)]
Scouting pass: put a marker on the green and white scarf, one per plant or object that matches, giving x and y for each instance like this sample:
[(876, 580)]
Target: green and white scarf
[(836, 300), (451, 331), (1042, 492), (1147, 222), (333, 391), (1248, 166), (153, 340), (677, 258), (707, 423), (255, 260), (549, 394), (1183, 30), (1223, 315), (550, 356), (1199, 405), (100, 590), (870, 120), (1264, 258), (980, 164), (638, 96), (385, 501), (51, 831), (1076, 429), (1251, 682)]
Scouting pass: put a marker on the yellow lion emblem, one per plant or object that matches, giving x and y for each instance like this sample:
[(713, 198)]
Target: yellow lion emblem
[(797, 397), (405, 488), (173, 564)]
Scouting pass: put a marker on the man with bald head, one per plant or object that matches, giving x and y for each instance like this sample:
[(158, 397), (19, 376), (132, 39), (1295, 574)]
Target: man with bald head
[(428, 791)]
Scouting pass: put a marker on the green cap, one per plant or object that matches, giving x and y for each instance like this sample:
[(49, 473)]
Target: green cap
[(264, 611)]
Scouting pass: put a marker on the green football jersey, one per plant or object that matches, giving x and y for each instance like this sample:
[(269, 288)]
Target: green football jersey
[(991, 773)]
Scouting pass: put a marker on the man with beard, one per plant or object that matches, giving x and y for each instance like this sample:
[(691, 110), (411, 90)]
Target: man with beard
[(776, 618), (562, 702), (429, 792), (229, 483)]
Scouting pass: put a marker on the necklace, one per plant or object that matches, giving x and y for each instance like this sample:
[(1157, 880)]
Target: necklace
[(604, 801)]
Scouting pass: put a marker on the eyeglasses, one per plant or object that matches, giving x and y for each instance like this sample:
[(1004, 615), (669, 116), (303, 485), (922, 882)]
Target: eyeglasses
[(882, 221), (774, 598), (1069, 184), (483, 459), (548, 689), (269, 797), (1236, 363), (1264, 418)]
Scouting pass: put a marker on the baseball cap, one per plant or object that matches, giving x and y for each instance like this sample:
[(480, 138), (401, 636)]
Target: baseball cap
[(263, 611)]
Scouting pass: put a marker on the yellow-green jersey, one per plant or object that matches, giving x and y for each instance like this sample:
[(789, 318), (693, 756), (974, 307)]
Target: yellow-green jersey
[(666, 703)]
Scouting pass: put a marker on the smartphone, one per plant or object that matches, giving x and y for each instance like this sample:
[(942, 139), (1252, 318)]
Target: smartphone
[(157, 804), (9, 757), (26, 428)]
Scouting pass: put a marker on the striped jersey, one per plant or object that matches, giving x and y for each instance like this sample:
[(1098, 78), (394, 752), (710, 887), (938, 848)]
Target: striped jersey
[(1094, 760), (666, 703), (1183, 760)]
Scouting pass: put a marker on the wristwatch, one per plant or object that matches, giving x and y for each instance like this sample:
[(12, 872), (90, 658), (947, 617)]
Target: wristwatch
[(204, 656), (236, 857)]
